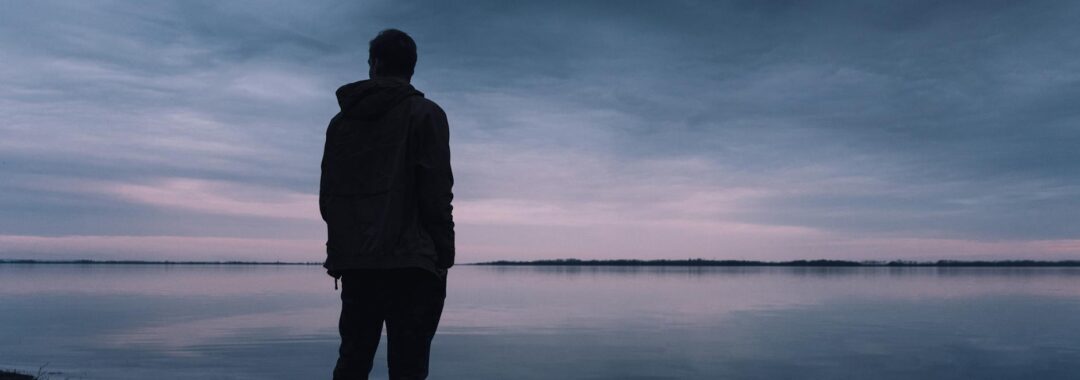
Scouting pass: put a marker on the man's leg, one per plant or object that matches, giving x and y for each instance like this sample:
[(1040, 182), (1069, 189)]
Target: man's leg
[(411, 321), (362, 313)]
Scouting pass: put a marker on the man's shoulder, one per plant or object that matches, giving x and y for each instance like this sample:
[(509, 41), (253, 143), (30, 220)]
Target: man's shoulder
[(424, 106)]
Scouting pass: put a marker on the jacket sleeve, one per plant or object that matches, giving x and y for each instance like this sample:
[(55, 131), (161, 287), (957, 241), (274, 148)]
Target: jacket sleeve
[(435, 181)]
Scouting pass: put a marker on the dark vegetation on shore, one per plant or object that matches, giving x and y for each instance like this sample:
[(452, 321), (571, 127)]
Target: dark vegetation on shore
[(795, 263), (8, 375), (147, 262), (624, 263)]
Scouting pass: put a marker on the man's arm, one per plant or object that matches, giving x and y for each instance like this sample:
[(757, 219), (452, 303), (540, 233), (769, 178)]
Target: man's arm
[(435, 181)]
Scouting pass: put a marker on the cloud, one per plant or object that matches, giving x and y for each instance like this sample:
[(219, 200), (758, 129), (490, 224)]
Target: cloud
[(215, 197), (714, 129)]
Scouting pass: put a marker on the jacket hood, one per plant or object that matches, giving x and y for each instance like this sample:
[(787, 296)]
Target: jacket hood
[(372, 98)]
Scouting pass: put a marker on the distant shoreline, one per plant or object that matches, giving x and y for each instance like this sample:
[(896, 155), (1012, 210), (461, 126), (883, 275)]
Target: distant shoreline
[(794, 263), (148, 262), (6, 374), (619, 263)]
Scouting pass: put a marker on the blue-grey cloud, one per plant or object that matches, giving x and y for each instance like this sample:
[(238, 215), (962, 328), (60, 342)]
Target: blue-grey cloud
[(855, 120)]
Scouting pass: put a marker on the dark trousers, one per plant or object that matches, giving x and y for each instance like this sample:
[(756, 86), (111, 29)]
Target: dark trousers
[(409, 300)]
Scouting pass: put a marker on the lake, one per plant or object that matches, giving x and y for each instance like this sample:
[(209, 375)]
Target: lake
[(279, 322)]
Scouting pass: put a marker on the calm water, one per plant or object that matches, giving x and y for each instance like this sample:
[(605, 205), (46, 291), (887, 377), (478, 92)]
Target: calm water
[(259, 322)]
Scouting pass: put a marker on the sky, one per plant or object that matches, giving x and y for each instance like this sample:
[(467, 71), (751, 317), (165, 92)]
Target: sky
[(762, 130)]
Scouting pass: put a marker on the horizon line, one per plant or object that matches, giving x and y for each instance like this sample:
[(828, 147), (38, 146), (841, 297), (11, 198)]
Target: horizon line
[(622, 262)]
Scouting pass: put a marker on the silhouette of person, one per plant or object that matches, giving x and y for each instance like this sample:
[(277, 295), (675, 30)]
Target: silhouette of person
[(385, 195)]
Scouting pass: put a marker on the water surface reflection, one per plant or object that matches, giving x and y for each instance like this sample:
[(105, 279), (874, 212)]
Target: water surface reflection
[(240, 322)]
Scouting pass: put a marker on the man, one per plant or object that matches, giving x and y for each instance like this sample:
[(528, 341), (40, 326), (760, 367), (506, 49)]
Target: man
[(385, 196)]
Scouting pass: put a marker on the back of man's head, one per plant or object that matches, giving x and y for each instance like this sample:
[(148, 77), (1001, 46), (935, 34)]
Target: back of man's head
[(392, 53)]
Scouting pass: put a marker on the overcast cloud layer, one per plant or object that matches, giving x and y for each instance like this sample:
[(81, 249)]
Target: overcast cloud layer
[(747, 130)]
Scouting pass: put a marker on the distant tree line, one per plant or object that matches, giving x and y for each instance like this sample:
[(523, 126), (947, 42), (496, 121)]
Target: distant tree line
[(794, 263), (624, 262)]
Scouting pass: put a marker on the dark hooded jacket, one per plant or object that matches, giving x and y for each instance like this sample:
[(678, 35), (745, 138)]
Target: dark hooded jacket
[(386, 181)]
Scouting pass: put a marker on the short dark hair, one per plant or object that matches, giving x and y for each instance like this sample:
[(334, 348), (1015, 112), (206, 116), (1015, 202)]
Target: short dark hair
[(395, 51)]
